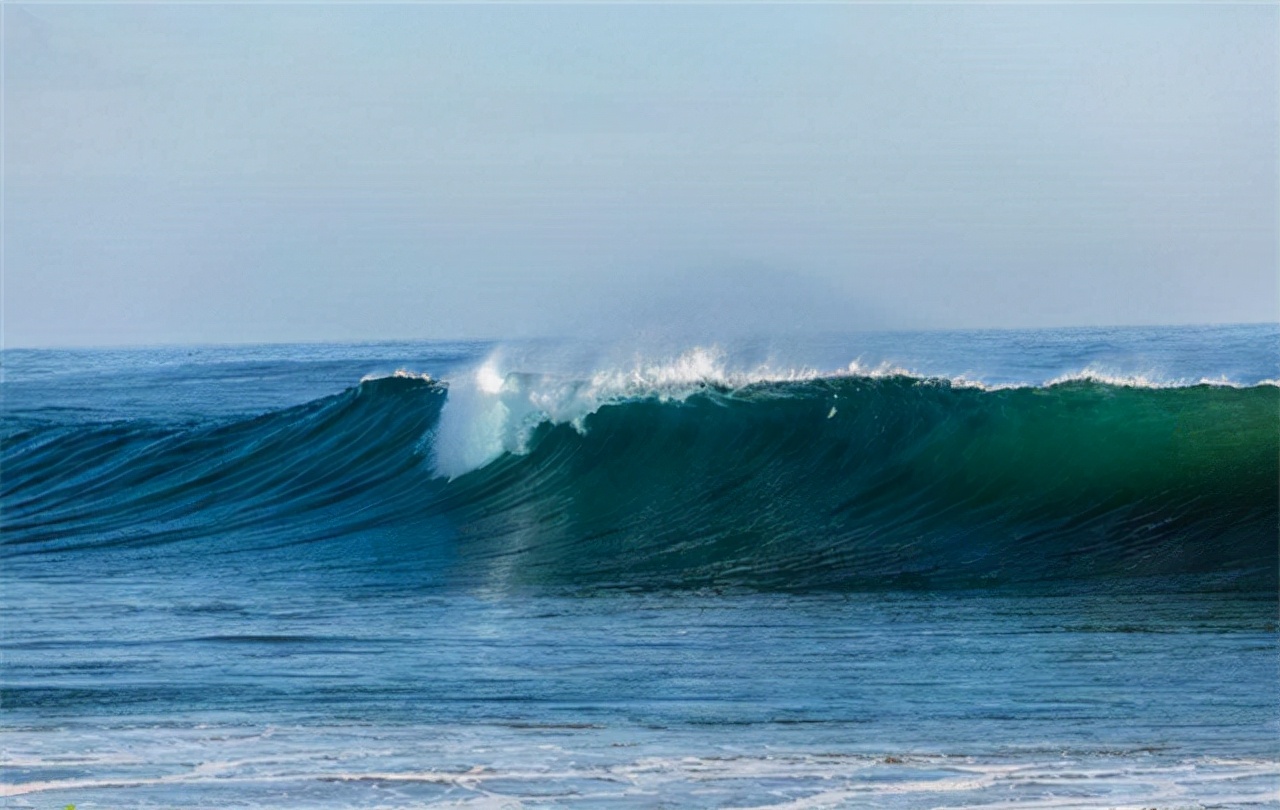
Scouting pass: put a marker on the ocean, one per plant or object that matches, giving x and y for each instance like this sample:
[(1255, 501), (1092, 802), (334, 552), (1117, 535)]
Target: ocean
[(884, 570)]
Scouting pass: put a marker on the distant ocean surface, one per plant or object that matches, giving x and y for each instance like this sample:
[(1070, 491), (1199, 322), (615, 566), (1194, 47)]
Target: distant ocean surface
[(890, 570)]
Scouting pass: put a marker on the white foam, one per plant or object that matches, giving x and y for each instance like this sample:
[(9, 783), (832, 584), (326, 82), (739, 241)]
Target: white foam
[(495, 408), (400, 373)]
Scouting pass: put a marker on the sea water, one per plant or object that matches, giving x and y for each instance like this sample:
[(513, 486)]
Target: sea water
[(1015, 569)]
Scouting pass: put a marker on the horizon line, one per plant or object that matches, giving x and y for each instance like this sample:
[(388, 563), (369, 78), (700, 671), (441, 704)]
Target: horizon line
[(215, 344)]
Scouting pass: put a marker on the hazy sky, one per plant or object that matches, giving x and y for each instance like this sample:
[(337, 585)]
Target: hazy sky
[(222, 173)]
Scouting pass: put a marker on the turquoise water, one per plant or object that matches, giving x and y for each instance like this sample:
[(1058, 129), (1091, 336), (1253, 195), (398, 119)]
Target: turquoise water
[(927, 570)]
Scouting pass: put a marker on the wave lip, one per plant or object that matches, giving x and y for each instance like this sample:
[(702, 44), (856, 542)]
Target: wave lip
[(492, 412)]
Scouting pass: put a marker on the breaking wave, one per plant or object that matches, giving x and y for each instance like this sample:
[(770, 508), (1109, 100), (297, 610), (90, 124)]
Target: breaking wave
[(685, 475)]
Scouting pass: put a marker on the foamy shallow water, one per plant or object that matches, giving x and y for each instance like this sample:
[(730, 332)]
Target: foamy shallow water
[(562, 768)]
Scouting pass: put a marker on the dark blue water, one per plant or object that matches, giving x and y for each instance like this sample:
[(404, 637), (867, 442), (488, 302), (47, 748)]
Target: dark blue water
[(897, 570)]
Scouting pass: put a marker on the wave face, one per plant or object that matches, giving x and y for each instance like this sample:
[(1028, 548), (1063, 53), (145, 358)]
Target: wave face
[(822, 483)]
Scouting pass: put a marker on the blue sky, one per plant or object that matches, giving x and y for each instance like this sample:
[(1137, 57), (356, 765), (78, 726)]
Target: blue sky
[(214, 173)]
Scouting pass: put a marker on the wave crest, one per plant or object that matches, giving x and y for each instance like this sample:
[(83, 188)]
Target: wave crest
[(493, 411)]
